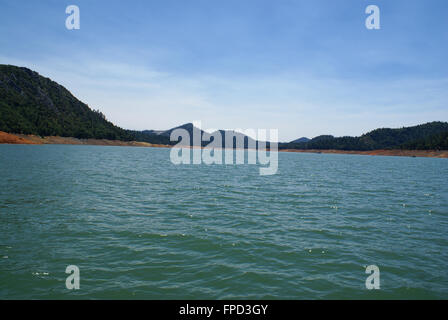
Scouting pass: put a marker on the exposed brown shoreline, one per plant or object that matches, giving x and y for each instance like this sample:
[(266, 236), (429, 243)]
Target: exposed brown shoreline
[(7, 138), (33, 139)]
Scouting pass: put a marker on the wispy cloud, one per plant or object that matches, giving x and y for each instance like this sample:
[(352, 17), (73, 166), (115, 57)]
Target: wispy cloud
[(139, 97), (305, 68)]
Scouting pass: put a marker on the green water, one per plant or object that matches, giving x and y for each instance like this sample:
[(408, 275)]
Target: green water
[(139, 227)]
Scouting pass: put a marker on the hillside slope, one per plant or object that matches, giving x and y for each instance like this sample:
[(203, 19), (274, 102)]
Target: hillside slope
[(428, 136), (32, 104)]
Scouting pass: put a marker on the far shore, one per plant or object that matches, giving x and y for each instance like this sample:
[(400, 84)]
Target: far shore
[(395, 152), (7, 138)]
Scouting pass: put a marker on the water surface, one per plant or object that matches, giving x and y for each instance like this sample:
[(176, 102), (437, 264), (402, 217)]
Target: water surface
[(139, 227)]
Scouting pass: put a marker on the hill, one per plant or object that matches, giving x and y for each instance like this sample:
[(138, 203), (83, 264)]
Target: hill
[(239, 139), (300, 140), (428, 136), (33, 104)]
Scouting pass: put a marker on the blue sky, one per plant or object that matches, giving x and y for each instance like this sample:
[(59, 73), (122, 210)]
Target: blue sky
[(303, 67)]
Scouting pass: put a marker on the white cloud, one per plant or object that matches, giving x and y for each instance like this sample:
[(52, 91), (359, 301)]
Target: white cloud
[(138, 97)]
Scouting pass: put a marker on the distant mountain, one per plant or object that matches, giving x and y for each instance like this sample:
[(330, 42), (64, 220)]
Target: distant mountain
[(432, 135), (33, 104), (239, 139), (300, 140), (167, 133)]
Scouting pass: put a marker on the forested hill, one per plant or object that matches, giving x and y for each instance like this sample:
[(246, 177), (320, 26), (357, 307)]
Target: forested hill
[(429, 136), (32, 104)]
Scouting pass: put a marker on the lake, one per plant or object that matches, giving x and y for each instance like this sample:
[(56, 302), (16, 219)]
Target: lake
[(139, 227)]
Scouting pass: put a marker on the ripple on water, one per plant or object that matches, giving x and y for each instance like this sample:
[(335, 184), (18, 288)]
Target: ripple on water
[(140, 227)]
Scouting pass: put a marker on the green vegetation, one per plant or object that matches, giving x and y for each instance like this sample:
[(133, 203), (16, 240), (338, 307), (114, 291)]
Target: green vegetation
[(429, 136), (32, 104), (434, 142), (145, 136)]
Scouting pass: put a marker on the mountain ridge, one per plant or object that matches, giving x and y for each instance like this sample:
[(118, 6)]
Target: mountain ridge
[(31, 104)]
